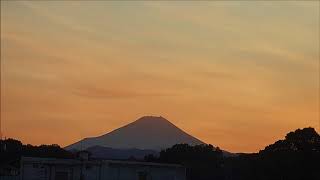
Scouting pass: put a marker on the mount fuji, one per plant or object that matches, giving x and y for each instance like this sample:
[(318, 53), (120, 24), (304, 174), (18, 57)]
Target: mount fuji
[(146, 133)]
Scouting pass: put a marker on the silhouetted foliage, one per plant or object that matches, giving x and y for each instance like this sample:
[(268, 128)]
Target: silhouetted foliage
[(13, 150), (297, 157), (306, 140), (200, 160)]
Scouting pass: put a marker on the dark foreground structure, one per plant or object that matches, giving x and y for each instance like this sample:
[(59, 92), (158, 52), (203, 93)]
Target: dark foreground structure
[(296, 157), (74, 169)]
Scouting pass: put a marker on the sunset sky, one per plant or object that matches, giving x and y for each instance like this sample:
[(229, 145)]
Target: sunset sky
[(235, 74)]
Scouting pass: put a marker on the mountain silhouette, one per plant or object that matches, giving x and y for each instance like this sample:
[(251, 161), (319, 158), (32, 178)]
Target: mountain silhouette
[(148, 132)]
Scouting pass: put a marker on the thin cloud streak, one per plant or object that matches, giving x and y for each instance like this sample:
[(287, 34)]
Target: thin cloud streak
[(206, 66), (100, 93)]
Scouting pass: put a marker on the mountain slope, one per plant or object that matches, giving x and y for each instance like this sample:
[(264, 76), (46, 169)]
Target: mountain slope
[(148, 132)]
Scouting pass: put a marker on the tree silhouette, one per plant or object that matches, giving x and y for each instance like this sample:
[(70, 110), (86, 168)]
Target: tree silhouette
[(296, 157), (11, 149)]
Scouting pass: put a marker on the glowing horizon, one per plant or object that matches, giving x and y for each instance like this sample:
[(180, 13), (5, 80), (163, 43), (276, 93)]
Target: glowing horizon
[(239, 75)]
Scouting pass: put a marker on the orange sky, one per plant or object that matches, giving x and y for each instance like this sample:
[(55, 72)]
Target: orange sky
[(239, 75)]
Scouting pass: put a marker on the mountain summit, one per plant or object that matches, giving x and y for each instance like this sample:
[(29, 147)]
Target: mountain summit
[(148, 132)]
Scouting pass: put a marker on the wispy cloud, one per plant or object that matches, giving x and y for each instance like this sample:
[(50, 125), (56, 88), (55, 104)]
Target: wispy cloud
[(204, 63), (103, 93), (218, 75), (41, 9)]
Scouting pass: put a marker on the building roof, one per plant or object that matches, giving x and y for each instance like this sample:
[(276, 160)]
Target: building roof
[(96, 161), (142, 163)]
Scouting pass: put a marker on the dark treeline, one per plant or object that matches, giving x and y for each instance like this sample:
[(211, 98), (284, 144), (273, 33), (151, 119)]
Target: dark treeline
[(202, 161), (12, 150), (297, 157)]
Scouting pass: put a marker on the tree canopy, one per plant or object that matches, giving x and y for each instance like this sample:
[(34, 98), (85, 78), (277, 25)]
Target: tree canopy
[(296, 157)]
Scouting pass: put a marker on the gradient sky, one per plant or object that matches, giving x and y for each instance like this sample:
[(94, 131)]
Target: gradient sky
[(239, 75)]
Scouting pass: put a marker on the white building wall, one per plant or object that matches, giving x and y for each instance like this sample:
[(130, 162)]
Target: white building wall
[(130, 172), (42, 170), (35, 172)]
